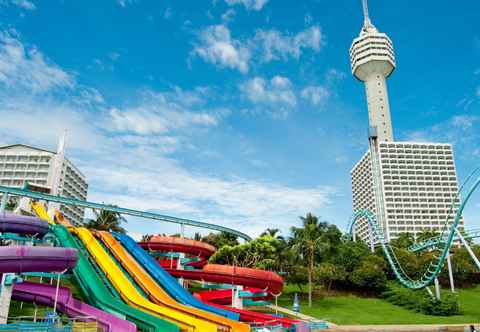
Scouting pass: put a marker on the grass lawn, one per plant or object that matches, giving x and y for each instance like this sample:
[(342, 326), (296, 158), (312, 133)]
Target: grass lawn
[(351, 310)]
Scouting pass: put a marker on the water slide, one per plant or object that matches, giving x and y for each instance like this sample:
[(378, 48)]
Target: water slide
[(45, 294), (265, 280), (157, 294), (19, 259), (169, 283), (98, 294), (131, 294)]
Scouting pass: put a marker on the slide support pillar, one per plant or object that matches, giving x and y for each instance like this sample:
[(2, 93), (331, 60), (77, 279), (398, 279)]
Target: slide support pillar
[(6, 296), (469, 249), (237, 301), (4, 203)]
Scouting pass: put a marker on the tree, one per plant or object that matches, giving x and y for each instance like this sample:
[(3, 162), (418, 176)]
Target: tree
[(370, 274), (404, 240), (310, 241), (106, 221), (258, 253), (218, 240), (11, 205), (327, 273), (146, 237), (273, 232), (426, 235)]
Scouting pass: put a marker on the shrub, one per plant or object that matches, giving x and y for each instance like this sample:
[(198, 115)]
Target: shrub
[(421, 301)]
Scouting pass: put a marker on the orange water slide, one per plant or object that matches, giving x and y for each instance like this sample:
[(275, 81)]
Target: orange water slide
[(156, 293)]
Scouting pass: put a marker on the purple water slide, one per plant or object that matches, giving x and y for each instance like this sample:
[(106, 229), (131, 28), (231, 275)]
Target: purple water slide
[(20, 259), (45, 295), (12, 223)]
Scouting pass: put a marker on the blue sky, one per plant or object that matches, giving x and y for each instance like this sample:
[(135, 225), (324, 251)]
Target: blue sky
[(237, 112)]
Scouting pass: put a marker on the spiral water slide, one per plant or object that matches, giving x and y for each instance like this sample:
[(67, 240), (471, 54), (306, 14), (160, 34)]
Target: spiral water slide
[(20, 259), (442, 245), (265, 280)]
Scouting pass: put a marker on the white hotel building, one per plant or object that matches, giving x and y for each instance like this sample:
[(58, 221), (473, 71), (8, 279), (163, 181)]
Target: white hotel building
[(22, 163), (419, 184)]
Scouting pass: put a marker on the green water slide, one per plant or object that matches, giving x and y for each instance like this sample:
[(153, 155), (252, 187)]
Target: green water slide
[(98, 292)]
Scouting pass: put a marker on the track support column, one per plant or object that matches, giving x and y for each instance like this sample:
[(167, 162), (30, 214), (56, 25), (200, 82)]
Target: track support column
[(450, 272), (469, 249), (437, 288)]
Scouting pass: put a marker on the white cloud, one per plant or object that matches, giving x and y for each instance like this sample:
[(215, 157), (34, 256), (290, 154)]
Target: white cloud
[(316, 95), (27, 68), (161, 113), (125, 3), (217, 47), (276, 93), (131, 164), (25, 4), (249, 4), (167, 13), (228, 15), (464, 121), (278, 46)]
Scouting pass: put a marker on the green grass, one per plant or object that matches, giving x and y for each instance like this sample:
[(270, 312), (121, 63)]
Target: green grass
[(352, 310)]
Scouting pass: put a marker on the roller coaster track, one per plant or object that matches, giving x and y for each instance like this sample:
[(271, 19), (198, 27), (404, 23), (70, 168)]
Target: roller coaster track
[(433, 241), (119, 210), (442, 245)]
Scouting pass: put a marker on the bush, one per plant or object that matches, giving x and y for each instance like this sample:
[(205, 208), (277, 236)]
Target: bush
[(421, 301)]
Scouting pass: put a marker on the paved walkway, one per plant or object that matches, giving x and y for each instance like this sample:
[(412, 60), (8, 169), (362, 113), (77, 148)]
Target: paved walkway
[(405, 328)]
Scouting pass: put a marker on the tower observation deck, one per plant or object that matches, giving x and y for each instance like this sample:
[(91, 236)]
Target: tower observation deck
[(373, 61)]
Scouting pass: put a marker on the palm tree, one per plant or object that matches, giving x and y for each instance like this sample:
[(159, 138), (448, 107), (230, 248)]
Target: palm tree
[(273, 232), (146, 237), (107, 221), (308, 241)]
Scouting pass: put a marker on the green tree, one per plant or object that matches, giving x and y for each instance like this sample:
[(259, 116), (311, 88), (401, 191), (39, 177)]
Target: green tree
[(328, 273), (404, 240), (426, 235), (218, 240), (258, 253), (11, 204), (106, 221), (146, 237), (273, 232), (370, 274), (312, 240)]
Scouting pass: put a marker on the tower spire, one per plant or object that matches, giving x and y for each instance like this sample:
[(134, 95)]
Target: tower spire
[(366, 17)]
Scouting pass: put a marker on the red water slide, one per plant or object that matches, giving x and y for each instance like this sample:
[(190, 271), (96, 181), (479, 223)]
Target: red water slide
[(260, 280), (225, 274)]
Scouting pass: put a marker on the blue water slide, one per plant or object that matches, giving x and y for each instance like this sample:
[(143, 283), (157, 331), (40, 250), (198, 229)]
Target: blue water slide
[(165, 280)]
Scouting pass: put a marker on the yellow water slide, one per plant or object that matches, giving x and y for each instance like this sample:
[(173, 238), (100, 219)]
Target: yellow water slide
[(157, 294), (186, 323), (41, 212)]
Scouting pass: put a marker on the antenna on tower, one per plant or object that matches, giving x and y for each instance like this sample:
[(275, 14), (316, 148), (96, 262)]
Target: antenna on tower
[(366, 18)]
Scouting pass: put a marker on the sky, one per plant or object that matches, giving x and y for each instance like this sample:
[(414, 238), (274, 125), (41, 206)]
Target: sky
[(242, 113)]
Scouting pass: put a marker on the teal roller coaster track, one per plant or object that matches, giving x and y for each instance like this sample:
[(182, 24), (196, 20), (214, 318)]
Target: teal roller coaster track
[(441, 244), (122, 211)]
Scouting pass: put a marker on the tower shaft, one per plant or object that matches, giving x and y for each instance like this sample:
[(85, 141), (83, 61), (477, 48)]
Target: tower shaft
[(378, 107)]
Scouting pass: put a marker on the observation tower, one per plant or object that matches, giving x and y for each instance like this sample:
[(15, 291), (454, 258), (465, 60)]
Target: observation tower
[(373, 61), (409, 186)]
